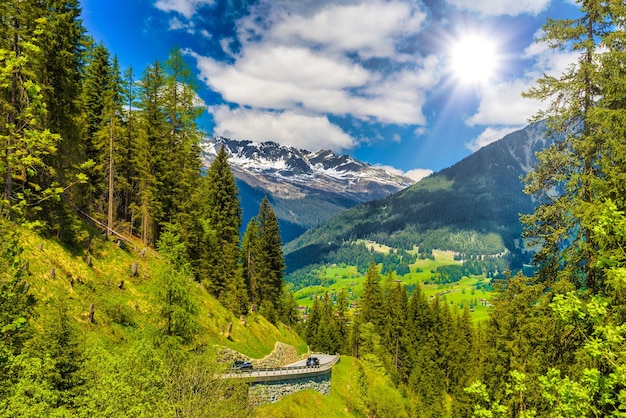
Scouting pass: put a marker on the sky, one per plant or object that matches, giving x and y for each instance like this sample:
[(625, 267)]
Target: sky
[(412, 85)]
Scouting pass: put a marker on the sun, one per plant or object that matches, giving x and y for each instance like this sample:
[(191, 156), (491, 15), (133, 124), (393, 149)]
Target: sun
[(473, 59)]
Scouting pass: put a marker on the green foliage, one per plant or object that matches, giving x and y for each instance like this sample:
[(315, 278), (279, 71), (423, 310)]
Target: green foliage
[(16, 303), (177, 316)]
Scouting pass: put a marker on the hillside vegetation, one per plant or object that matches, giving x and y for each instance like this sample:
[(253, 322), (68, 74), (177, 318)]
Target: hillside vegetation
[(96, 343), (472, 208)]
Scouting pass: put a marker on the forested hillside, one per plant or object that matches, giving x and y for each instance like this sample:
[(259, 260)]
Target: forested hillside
[(472, 208), (122, 267), (92, 153)]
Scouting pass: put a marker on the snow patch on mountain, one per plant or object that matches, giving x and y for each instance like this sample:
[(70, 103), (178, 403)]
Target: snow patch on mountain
[(294, 173)]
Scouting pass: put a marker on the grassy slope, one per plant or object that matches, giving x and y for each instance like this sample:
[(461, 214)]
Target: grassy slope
[(120, 313), (345, 399)]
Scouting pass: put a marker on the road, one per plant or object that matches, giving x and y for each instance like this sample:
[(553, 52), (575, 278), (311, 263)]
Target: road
[(291, 371)]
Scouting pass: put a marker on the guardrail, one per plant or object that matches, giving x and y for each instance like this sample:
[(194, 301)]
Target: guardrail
[(294, 372)]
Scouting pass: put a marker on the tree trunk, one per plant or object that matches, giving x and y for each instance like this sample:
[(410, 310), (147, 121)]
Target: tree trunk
[(110, 208)]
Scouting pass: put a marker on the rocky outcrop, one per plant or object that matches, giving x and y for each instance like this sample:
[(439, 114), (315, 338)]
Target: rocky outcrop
[(281, 355)]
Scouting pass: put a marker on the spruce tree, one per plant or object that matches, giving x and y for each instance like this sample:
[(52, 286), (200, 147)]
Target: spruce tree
[(271, 262), (313, 324), (96, 93), (177, 317), (562, 224), (62, 43), (249, 257), (222, 221), (148, 158), (372, 299)]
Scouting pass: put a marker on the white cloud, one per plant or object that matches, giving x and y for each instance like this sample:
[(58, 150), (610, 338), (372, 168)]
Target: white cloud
[(502, 7), (370, 28), (418, 173), (502, 104), (490, 135), (186, 8), (311, 132), (307, 58)]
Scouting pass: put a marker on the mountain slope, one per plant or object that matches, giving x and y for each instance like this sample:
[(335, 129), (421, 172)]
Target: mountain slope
[(471, 207), (305, 188)]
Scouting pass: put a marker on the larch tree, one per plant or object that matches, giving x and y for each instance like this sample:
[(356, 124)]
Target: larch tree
[(25, 142)]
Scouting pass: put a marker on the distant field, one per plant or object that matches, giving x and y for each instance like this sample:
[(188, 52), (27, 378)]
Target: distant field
[(468, 291)]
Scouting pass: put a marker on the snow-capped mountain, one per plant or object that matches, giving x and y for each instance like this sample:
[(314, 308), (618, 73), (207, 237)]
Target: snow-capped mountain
[(305, 187)]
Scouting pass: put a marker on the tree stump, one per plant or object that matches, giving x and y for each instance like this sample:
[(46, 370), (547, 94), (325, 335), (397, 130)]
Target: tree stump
[(52, 273), (143, 253), (121, 285), (134, 269), (40, 246), (89, 261), (229, 330), (92, 311)]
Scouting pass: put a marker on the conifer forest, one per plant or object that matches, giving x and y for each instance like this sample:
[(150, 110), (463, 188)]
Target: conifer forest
[(101, 163)]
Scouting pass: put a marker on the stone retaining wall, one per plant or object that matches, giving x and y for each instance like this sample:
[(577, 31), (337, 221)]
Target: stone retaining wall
[(270, 392)]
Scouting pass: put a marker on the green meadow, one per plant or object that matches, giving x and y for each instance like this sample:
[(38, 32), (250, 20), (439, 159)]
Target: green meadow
[(473, 291)]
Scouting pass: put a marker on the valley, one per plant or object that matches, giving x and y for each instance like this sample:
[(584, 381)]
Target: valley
[(474, 291)]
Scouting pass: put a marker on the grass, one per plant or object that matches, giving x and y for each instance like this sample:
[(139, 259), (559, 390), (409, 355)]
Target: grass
[(344, 399), (467, 291), (126, 305)]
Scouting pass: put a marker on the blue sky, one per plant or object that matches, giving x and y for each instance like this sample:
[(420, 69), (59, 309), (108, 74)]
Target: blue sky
[(416, 85)]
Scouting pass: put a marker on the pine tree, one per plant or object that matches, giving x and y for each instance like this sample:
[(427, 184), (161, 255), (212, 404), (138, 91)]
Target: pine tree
[(182, 164), (395, 317), (127, 172), (341, 316)]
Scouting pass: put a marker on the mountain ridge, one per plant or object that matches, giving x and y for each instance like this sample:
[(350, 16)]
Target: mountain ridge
[(471, 207), (305, 188)]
